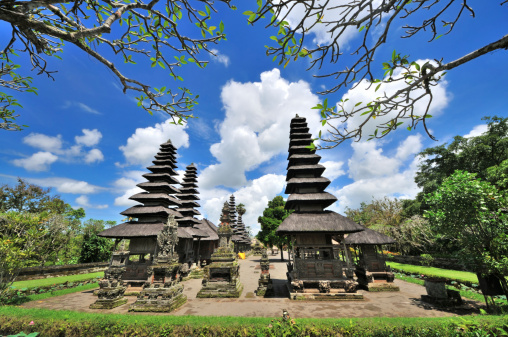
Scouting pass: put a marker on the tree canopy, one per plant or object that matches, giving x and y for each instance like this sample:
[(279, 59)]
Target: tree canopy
[(110, 32), (472, 212), (273, 215), (401, 81)]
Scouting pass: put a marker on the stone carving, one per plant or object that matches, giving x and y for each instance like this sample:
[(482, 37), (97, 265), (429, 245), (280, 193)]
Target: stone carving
[(162, 291), (324, 286)]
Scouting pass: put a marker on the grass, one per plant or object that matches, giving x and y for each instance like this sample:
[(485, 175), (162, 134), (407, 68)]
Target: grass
[(464, 293), (38, 297), (462, 276), (56, 280)]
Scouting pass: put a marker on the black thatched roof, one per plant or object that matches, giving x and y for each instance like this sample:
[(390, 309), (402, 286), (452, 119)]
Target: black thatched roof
[(317, 222), (162, 169), (306, 159), (188, 220), (187, 197), (209, 228), (368, 237), (300, 149), (133, 229)]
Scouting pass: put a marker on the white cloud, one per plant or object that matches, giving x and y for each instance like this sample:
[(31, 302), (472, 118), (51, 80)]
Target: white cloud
[(126, 185), (333, 169), (67, 185), (377, 175), (144, 144), (90, 137), (362, 93), (255, 196), (256, 126), (84, 202), (94, 155), (37, 162), (82, 106), (221, 58), (43, 142), (478, 130)]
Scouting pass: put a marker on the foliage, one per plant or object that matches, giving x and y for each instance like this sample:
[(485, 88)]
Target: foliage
[(21, 235), (95, 248), (273, 215), (110, 32), (473, 213), (475, 155), (402, 82), (240, 208), (54, 322), (381, 212)]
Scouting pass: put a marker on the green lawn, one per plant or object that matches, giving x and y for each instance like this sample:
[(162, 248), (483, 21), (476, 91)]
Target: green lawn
[(462, 276), (56, 280)]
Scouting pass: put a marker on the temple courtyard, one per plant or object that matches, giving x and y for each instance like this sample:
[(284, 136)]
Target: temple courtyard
[(404, 303)]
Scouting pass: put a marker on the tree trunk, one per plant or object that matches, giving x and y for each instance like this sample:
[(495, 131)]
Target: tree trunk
[(281, 254)]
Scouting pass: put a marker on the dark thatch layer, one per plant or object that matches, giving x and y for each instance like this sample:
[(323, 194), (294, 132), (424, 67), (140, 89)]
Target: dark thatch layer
[(187, 220), (189, 211), (300, 150), (162, 169), (147, 210), (317, 222), (187, 197), (308, 159), (301, 135), (310, 198), (317, 170), (293, 183), (368, 237), (160, 186), (157, 177), (159, 197)]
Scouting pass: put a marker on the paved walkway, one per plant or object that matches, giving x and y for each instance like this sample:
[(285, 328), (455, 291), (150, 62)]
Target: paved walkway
[(405, 303)]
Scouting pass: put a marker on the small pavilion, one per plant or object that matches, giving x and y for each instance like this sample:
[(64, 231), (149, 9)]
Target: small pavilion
[(371, 269)]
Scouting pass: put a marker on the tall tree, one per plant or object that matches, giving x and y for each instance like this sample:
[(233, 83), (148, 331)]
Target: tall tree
[(110, 32), (273, 215), (400, 81), (95, 248), (473, 213), (240, 208), (22, 236)]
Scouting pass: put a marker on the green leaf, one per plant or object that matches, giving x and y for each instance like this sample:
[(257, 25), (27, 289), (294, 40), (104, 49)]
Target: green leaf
[(201, 13), (249, 13), (437, 37)]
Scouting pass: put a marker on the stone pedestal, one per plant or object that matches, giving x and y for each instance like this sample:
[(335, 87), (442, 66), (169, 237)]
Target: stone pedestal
[(112, 289), (437, 294), (265, 287), (164, 293), (221, 277)]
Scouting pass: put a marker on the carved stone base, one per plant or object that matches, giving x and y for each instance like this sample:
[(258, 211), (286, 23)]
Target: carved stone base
[(160, 299), (380, 286), (265, 287), (221, 290), (315, 295), (109, 298)]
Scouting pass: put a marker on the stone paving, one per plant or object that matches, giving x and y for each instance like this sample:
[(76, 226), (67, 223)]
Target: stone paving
[(405, 303)]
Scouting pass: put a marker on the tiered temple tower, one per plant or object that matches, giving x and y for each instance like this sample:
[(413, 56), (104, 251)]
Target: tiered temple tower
[(245, 240), (237, 238), (190, 238), (144, 266), (318, 268)]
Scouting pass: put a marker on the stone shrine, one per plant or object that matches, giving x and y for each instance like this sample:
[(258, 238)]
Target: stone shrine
[(162, 291), (265, 287), (318, 268), (221, 277), (112, 289)]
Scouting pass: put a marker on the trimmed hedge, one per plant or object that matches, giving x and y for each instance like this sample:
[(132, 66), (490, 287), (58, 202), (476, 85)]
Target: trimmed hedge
[(67, 323)]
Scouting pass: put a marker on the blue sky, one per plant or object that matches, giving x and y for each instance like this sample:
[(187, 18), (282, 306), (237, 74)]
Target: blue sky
[(90, 143)]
